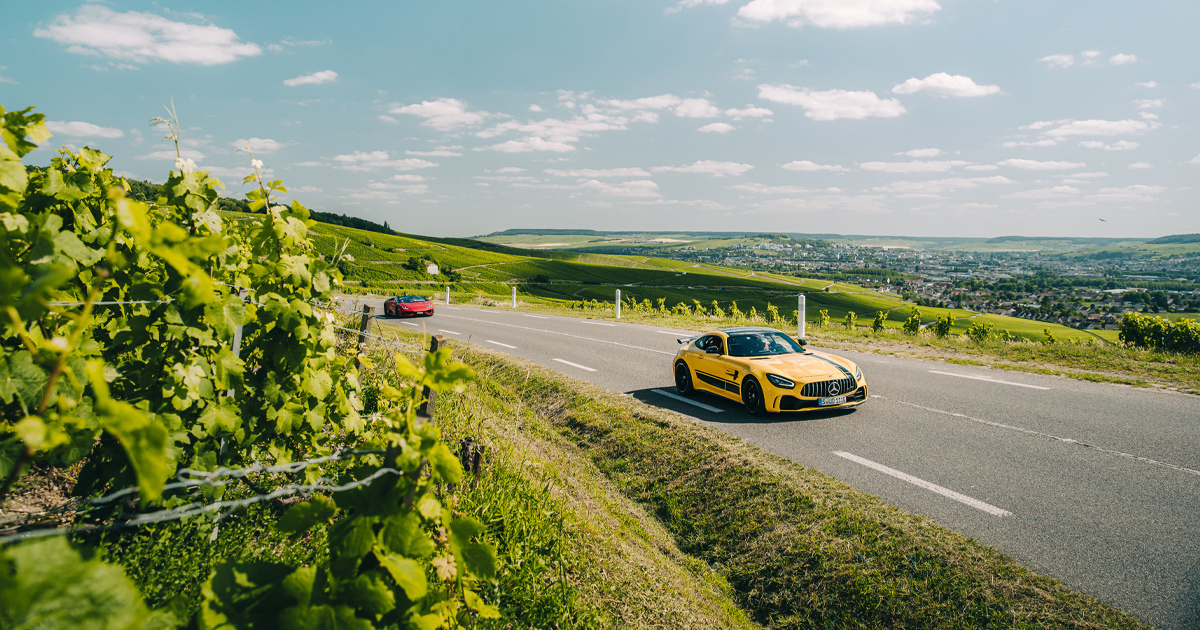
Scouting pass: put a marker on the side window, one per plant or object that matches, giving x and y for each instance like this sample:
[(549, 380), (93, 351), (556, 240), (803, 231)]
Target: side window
[(711, 341)]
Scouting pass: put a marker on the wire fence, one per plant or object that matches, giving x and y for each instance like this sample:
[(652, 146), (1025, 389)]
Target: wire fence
[(187, 480)]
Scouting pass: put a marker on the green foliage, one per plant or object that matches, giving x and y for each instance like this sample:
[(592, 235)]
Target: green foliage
[(851, 320), (880, 318), (942, 326), (822, 318), (1144, 331), (773, 314), (717, 311), (980, 333), (912, 325), (1050, 339), (736, 313)]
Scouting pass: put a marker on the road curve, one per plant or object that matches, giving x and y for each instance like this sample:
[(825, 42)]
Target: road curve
[(1097, 485)]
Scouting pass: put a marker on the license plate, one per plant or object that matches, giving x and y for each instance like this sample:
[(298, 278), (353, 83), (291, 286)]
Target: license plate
[(825, 402)]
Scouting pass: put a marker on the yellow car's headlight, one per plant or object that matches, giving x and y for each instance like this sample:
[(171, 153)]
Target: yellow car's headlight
[(779, 381), (857, 373)]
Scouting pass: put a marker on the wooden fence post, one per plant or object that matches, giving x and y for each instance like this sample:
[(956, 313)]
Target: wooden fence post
[(363, 327), (429, 404)]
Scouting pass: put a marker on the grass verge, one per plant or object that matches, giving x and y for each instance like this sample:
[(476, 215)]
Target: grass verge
[(799, 549)]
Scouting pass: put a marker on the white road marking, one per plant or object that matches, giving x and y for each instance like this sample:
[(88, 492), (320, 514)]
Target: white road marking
[(677, 334), (921, 483), (689, 401), (555, 332), (576, 365), (535, 316), (588, 321), (502, 345), (448, 332), (410, 324), (999, 425), (984, 378)]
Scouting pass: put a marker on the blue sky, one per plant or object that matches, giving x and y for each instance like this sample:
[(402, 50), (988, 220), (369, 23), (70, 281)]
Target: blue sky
[(906, 117)]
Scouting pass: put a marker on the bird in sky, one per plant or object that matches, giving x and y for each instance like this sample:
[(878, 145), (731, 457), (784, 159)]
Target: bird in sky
[(1104, 221)]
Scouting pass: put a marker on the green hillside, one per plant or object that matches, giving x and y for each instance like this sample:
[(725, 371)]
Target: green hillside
[(474, 269)]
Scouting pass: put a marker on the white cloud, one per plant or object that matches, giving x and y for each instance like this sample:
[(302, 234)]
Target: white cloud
[(1055, 192), (687, 4), (372, 160), (407, 178), (936, 166), (1136, 192), (4, 79), (1141, 165), (80, 129), (1147, 103), (639, 188), (258, 145), (443, 114), (696, 108), (510, 169), (707, 167), (536, 108), (451, 151), (387, 119), (750, 111), (1148, 116), (1034, 165), (316, 78), (761, 189), (308, 189), (838, 14), (596, 172), (1093, 127), (1120, 145), (1147, 84), (1083, 178), (718, 127), (663, 101), (1195, 160), (1058, 61), (1122, 59), (922, 153), (942, 186), (1090, 54), (141, 37), (169, 154), (1047, 142), (809, 166), (531, 144), (946, 85), (833, 104), (981, 167)]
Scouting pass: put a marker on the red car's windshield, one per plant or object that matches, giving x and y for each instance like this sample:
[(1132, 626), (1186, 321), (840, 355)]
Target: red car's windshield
[(410, 298)]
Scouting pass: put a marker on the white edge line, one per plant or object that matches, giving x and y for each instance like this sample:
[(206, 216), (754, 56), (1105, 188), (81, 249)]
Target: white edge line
[(582, 367), (448, 332), (503, 345), (676, 334), (984, 378), (555, 332), (701, 405), (535, 316), (410, 324), (588, 321), (933, 487)]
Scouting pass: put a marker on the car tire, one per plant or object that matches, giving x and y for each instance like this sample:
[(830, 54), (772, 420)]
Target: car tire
[(752, 397), (683, 379)]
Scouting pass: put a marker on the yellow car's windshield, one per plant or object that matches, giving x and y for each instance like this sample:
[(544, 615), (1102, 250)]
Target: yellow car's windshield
[(761, 344)]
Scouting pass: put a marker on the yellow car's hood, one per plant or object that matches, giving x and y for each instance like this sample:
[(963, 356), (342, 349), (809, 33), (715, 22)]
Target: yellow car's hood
[(810, 366)]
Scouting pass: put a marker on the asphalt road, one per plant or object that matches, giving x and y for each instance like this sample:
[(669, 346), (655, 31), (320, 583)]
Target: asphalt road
[(1096, 485)]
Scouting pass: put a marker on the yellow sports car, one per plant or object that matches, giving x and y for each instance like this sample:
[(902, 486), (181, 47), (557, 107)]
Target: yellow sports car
[(767, 371)]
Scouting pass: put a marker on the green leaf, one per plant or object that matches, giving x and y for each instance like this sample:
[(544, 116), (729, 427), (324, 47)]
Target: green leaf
[(13, 176), (44, 583), (321, 618), (23, 379), (303, 516), (445, 463), (486, 611), (408, 574), (349, 540), (245, 595), (478, 558), (404, 535), (145, 444), (369, 593)]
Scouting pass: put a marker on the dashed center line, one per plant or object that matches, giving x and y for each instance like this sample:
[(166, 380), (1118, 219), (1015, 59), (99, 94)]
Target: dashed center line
[(588, 321), (410, 324), (535, 316), (984, 378), (502, 345), (448, 332), (676, 334), (683, 399), (563, 334), (921, 483), (576, 365)]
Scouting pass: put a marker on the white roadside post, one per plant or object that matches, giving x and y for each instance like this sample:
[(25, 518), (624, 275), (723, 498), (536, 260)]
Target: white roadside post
[(447, 295), (618, 304), (514, 297), (800, 317)]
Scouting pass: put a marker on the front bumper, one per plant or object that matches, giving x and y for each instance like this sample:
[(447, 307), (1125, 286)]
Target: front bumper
[(785, 402)]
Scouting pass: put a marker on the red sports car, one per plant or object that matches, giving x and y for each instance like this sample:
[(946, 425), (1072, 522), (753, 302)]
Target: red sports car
[(408, 306)]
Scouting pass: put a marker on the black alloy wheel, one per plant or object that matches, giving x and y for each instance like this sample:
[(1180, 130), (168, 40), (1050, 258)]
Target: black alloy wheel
[(683, 379), (752, 397)]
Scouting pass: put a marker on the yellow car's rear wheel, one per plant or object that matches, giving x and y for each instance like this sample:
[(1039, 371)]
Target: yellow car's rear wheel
[(752, 397), (683, 378)]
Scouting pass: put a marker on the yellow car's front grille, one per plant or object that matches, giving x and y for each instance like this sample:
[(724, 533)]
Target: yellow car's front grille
[(824, 389)]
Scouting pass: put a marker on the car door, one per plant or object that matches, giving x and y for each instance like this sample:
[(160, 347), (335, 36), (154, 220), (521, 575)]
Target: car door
[(713, 372)]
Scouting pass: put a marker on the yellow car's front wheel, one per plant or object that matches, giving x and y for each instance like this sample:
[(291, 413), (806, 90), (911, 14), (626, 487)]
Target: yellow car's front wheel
[(683, 378), (752, 397)]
